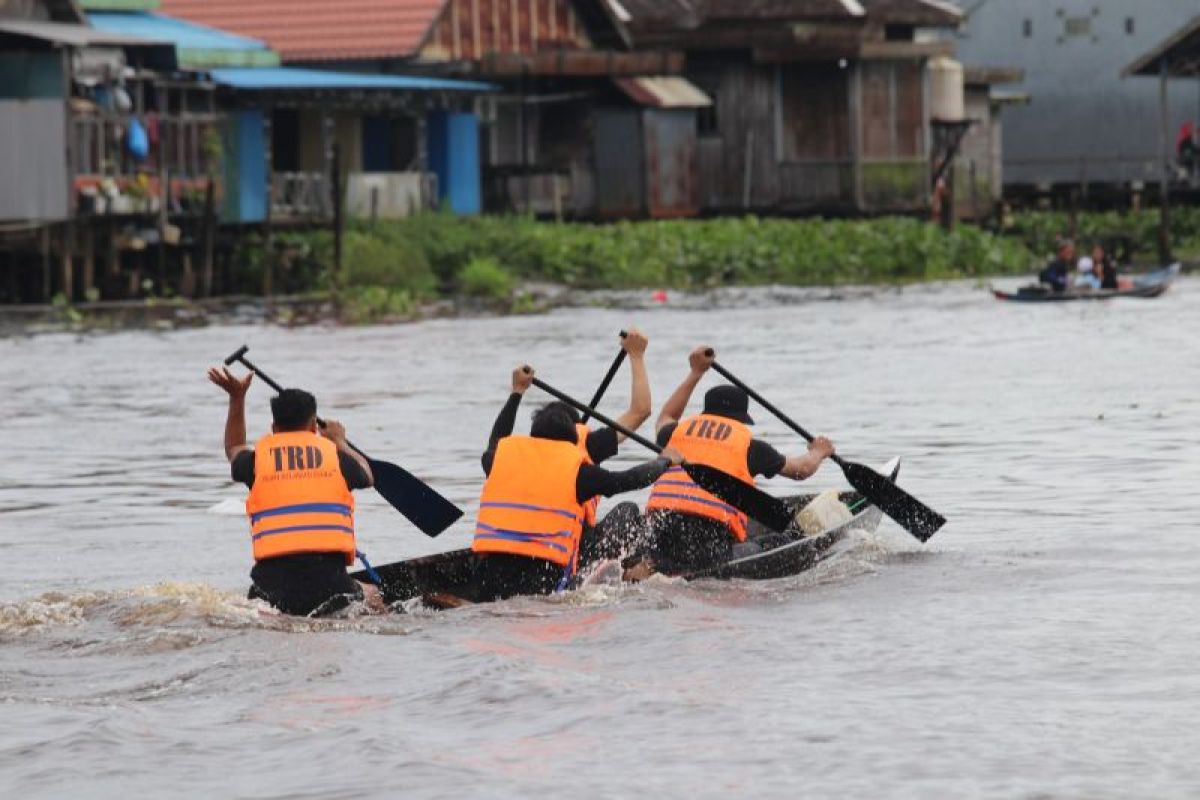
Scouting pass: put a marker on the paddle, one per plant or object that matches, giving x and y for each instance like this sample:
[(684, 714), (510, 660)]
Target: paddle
[(748, 499), (407, 493), (914, 516), (608, 378)]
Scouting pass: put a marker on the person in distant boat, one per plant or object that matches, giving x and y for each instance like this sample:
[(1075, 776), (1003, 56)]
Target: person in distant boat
[(1105, 267), (1057, 274), (1087, 278), (301, 510), (533, 506), (622, 525), (689, 528)]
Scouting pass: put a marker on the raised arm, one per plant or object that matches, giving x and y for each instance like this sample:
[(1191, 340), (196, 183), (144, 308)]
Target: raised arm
[(699, 360), (235, 419), (639, 409), (799, 468), (506, 420)]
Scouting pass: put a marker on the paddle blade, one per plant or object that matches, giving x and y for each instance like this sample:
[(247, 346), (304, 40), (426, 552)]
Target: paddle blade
[(914, 516), (750, 500), (414, 498)]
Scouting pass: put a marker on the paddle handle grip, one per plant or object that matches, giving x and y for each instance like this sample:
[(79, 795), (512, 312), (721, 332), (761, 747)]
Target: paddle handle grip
[(237, 355), (578, 406), (240, 356), (608, 378)]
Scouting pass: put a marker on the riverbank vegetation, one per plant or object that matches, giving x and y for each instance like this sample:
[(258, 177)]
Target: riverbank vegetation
[(393, 268)]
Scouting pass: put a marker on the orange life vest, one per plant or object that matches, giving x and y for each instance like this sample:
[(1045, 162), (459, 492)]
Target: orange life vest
[(590, 507), (528, 505), (299, 502), (717, 442)]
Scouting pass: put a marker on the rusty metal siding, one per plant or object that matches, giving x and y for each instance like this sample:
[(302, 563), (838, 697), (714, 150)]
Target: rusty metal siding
[(670, 148), (620, 163)]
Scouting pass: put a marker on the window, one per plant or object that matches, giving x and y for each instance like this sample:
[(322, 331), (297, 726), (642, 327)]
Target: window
[(1027, 28), (1078, 26), (285, 140)]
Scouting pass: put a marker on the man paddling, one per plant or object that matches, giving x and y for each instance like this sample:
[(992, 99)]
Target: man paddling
[(300, 507), (532, 509), (689, 528), (620, 528)]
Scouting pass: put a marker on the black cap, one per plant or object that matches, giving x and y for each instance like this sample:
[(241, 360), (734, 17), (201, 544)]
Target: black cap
[(728, 401)]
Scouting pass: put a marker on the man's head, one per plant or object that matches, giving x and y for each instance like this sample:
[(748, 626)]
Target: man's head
[(728, 401), (293, 410), (1066, 249), (555, 420)]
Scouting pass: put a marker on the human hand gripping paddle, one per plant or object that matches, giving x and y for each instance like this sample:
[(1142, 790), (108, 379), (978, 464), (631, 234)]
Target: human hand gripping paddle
[(914, 516), (750, 500), (407, 493)]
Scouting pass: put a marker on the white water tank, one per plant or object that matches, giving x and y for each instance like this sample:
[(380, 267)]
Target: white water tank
[(946, 90)]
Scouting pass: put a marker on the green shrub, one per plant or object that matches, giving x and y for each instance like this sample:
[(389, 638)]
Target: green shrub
[(390, 262), (365, 304), (484, 277)]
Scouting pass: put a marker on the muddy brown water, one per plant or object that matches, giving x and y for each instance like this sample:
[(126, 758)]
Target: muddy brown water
[(1043, 645)]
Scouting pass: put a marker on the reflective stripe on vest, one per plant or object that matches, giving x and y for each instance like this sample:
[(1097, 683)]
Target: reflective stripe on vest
[(716, 442), (591, 506), (299, 502), (528, 504)]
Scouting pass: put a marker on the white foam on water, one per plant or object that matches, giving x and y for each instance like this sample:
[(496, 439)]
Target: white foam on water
[(229, 507)]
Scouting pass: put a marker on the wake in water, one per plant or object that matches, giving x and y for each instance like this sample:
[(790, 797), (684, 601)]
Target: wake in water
[(141, 617), (170, 606)]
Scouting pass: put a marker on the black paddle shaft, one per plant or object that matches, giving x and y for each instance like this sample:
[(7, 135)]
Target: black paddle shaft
[(751, 500), (608, 379), (240, 356), (762, 401), (612, 423), (406, 493), (914, 516)]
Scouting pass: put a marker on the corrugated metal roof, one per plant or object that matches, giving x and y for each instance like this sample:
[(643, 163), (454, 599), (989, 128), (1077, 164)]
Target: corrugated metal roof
[(664, 91), (935, 13), (320, 30), (282, 78), (69, 33), (197, 45), (1180, 53)]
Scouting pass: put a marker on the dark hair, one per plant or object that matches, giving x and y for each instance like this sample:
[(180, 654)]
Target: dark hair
[(555, 420), (293, 409)]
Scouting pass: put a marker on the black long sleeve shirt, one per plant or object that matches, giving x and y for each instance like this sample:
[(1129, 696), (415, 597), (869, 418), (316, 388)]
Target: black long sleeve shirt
[(592, 481)]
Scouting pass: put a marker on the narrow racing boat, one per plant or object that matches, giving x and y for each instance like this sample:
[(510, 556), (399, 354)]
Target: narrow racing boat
[(1150, 284), (764, 555)]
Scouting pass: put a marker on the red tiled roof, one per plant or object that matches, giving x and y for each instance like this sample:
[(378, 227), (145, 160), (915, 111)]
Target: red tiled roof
[(320, 30)]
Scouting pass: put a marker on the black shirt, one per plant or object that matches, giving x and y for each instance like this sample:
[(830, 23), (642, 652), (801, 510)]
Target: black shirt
[(592, 481), (241, 469), (762, 458)]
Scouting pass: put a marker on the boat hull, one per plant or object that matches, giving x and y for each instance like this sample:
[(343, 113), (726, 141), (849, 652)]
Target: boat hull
[(450, 573), (1152, 284)]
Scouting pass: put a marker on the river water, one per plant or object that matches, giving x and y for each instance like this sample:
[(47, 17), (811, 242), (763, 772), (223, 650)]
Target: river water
[(1043, 645)]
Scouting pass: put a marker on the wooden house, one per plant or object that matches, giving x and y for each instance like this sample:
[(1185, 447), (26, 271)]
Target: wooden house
[(656, 107), (101, 136), (819, 105), (979, 174)]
